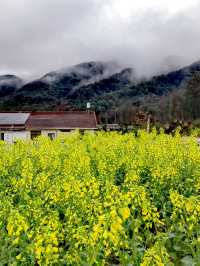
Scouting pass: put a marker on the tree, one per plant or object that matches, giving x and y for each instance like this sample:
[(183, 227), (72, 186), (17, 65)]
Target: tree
[(192, 98)]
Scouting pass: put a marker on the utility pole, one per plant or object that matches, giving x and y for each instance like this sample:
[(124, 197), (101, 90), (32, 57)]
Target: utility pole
[(148, 123)]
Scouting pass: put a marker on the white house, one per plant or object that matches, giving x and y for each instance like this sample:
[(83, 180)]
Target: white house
[(25, 125)]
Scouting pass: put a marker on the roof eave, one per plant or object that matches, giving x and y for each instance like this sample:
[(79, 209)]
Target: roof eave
[(63, 128)]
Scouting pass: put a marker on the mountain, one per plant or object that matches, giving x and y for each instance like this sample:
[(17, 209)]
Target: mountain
[(9, 84), (58, 86), (109, 84), (103, 83), (81, 74)]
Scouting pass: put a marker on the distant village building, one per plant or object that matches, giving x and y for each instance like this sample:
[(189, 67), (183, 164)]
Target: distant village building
[(25, 126)]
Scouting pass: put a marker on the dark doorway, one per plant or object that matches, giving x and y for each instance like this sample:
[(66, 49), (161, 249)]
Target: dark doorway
[(52, 136), (35, 134), (1, 136)]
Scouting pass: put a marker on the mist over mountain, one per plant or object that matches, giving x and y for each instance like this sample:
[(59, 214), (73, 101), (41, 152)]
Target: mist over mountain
[(9, 84), (153, 37), (105, 84), (65, 84)]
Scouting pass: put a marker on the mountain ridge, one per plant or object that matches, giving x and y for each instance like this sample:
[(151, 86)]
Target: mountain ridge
[(97, 82)]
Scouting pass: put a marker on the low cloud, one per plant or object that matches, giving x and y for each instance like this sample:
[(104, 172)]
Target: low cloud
[(38, 36)]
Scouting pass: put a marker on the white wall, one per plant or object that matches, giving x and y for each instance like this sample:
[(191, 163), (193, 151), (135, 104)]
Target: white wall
[(57, 132), (46, 132), (12, 136)]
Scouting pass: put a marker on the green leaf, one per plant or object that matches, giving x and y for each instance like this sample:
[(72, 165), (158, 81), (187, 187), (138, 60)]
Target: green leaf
[(188, 261)]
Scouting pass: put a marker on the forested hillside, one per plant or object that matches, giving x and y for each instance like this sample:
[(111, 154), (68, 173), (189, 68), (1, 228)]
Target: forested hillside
[(116, 94)]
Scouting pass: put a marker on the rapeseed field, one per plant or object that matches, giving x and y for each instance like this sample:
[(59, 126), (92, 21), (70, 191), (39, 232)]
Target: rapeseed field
[(100, 199)]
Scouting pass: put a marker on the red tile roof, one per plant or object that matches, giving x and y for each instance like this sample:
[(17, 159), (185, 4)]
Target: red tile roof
[(61, 120)]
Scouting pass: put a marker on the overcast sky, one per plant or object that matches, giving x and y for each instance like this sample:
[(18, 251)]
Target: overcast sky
[(37, 36)]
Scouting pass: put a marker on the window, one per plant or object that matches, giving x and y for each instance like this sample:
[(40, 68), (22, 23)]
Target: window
[(52, 136), (66, 130), (1, 136), (35, 134)]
